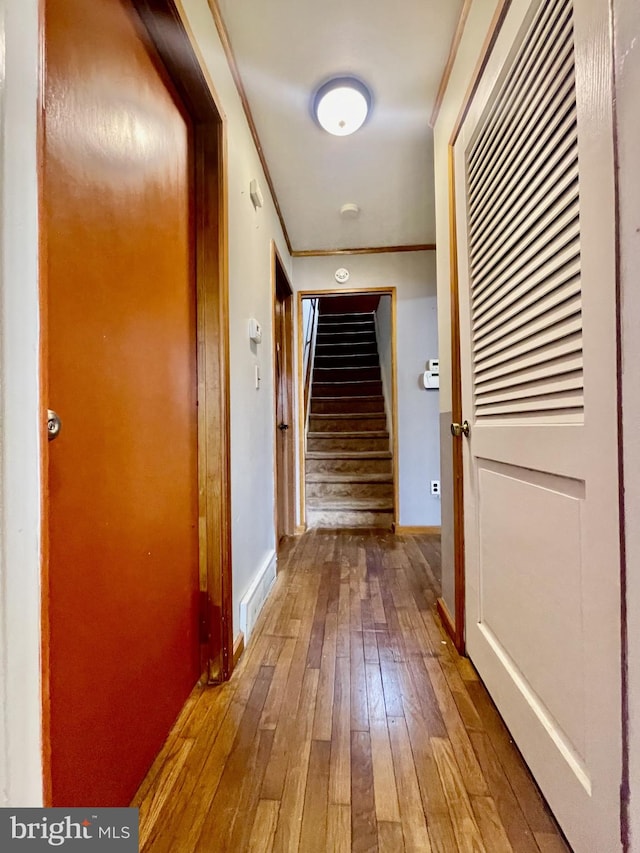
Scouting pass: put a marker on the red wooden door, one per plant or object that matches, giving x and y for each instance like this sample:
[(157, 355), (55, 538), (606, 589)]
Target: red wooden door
[(120, 370)]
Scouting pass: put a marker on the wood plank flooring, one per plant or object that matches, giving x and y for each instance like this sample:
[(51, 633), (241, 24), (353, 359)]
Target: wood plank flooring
[(350, 723)]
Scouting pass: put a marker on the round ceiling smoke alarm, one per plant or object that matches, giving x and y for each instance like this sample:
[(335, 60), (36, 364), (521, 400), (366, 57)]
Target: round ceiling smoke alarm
[(342, 275), (349, 210)]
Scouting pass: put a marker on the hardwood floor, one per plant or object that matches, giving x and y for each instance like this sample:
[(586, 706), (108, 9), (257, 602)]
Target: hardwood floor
[(351, 723)]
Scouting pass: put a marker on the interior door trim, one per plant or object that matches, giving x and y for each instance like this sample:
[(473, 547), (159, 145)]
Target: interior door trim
[(175, 46), (287, 360), (351, 291), (454, 623)]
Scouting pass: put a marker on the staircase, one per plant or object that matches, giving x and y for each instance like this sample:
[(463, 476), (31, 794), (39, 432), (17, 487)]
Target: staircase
[(348, 475)]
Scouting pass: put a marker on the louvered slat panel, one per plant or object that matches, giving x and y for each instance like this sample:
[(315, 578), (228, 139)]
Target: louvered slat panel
[(524, 233), (527, 127), (564, 229), (549, 215), (547, 336), (538, 320), (552, 178), (557, 367), (571, 345), (501, 114), (571, 382), (519, 299), (545, 402), (539, 276)]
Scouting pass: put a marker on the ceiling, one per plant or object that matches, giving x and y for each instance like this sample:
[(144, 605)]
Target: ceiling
[(283, 50)]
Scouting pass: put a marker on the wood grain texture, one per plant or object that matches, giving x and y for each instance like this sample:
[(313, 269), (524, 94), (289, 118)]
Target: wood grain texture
[(318, 744)]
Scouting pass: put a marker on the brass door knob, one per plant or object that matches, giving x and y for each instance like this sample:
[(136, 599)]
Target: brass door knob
[(460, 429)]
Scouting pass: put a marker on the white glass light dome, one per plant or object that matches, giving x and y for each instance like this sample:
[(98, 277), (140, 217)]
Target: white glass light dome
[(341, 105)]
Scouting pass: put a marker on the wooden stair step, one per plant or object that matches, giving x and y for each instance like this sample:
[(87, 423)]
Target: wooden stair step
[(322, 423), (351, 504), (369, 433), (348, 454), (347, 415), (349, 389), (326, 477), (341, 519)]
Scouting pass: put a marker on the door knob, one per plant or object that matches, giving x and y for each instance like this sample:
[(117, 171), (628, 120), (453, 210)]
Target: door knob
[(460, 429), (283, 426), (54, 425)]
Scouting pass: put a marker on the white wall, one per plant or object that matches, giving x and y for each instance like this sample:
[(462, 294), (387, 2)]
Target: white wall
[(413, 274), (627, 49), (476, 28), (252, 412)]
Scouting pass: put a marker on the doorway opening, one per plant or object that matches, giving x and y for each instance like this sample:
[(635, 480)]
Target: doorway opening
[(347, 408)]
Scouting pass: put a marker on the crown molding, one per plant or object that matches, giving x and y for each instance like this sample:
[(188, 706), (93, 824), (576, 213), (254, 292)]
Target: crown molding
[(237, 79), (364, 250)]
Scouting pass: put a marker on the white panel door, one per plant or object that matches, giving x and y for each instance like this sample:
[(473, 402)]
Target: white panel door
[(534, 178)]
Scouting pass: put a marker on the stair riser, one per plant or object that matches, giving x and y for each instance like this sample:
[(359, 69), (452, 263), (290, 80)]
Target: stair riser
[(342, 328), (345, 317), (329, 445), (358, 339), (346, 349), (346, 424), (345, 374), (353, 360), (347, 389), (348, 518), (339, 406), (347, 466), (379, 491)]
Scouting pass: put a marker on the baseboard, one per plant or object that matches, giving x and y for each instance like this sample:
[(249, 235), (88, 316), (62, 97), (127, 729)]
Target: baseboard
[(253, 600), (238, 648), (408, 530), (445, 618)]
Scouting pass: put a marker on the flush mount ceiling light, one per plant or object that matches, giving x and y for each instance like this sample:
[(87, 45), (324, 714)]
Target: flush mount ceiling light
[(341, 105)]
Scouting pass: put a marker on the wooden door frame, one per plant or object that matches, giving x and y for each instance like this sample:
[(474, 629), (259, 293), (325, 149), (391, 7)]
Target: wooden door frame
[(277, 264), (351, 291), (455, 624), (174, 45)]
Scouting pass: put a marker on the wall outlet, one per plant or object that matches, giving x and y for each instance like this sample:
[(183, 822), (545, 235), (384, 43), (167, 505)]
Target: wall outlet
[(435, 488)]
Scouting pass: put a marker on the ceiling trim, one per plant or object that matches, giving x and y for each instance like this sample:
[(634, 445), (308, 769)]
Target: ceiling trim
[(448, 68), (364, 250), (237, 79)]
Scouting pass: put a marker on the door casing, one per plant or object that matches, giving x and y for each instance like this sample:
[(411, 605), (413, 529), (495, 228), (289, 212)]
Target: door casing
[(353, 291), (284, 481)]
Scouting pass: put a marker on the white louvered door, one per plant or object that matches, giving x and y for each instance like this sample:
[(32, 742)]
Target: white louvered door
[(535, 206)]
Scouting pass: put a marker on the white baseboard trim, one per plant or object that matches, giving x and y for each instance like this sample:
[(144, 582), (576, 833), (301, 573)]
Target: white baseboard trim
[(253, 600)]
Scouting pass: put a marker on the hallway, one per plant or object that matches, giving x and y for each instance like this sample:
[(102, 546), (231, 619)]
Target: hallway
[(350, 723)]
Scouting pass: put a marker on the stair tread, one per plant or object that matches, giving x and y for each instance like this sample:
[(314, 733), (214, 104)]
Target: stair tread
[(327, 477), (330, 503), (367, 433), (346, 382), (376, 397), (348, 454), (347, 415)]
